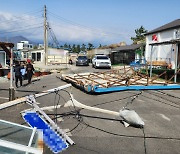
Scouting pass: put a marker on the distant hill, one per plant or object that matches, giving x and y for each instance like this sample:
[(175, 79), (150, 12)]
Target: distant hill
[(15, 39)]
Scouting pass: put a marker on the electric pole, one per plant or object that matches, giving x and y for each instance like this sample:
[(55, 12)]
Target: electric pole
[(11, 88), (45, 36), (176, 63)]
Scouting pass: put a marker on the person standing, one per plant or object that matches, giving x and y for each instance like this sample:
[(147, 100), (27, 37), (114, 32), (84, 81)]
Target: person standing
[(23, 71), (29, 70), (18, 75)]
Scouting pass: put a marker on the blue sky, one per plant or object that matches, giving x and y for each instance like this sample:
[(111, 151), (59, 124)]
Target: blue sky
[(82, 21)]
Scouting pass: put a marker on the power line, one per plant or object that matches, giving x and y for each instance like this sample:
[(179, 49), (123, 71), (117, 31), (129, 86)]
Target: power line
[(168, 94), (31, 25), (21, 30), (9, 21), (53, 36), (85, 27), (17, 19), (22, 17), (34, 11), (117, 134), (158, 100), (157, 95)]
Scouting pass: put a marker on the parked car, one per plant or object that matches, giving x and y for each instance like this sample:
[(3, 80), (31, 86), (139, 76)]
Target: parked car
[(101, 61), (82, 60)]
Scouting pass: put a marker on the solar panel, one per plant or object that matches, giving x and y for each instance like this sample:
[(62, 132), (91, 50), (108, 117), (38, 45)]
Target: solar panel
[(50, 137)]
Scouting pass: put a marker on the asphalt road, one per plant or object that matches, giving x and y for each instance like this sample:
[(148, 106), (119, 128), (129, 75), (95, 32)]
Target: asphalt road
[(98, 133)]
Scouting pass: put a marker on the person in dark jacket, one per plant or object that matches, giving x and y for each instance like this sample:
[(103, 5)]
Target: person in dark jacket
[(18, 75), (29, 70)]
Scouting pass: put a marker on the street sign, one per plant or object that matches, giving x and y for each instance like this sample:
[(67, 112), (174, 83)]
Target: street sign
[(51, 138)]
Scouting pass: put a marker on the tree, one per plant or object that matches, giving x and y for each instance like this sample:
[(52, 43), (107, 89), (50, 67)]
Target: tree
[(65, 46), (140, 38), (90, 46), (35, 47), (100, 46), (74, 48), (69, 47), (78, 48), (83, 47)]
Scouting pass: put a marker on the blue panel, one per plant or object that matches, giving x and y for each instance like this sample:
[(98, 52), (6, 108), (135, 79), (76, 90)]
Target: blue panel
[(52, 139), (136, 87)]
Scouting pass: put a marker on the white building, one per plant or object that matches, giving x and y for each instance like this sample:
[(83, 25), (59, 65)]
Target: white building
[(54, 55), (163, 44), (58, 56), (36, 55), (24, 45)]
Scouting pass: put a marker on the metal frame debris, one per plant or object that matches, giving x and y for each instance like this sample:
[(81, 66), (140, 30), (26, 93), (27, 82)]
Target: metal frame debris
[(116, 80)]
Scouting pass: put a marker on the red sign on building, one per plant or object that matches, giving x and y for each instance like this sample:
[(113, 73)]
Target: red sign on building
[(154, 37)]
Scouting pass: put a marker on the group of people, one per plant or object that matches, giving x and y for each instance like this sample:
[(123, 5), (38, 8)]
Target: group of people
[(21, 70)]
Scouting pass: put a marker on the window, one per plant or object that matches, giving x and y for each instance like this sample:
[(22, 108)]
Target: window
[(34, 56), (102, 57), (39, 56)]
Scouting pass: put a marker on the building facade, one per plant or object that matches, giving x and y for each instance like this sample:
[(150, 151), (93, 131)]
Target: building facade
[(24, 45), (53, 56), (58, 56), (125, 54), (159, 46)]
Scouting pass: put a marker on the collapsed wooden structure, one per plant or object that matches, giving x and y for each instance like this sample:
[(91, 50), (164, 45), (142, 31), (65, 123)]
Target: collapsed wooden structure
[(117, 80)]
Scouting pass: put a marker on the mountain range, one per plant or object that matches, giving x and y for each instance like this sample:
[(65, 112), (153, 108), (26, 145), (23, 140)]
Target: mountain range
[(15, 39)]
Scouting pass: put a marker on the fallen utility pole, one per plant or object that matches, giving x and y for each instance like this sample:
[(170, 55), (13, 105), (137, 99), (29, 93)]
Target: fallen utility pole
[(23, 99), (130, 117), (75, 103)]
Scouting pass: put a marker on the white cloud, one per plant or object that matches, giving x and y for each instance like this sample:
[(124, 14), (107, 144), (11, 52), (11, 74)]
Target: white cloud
[(77, 33), (18, 25), (71, 32), (63, 31)]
